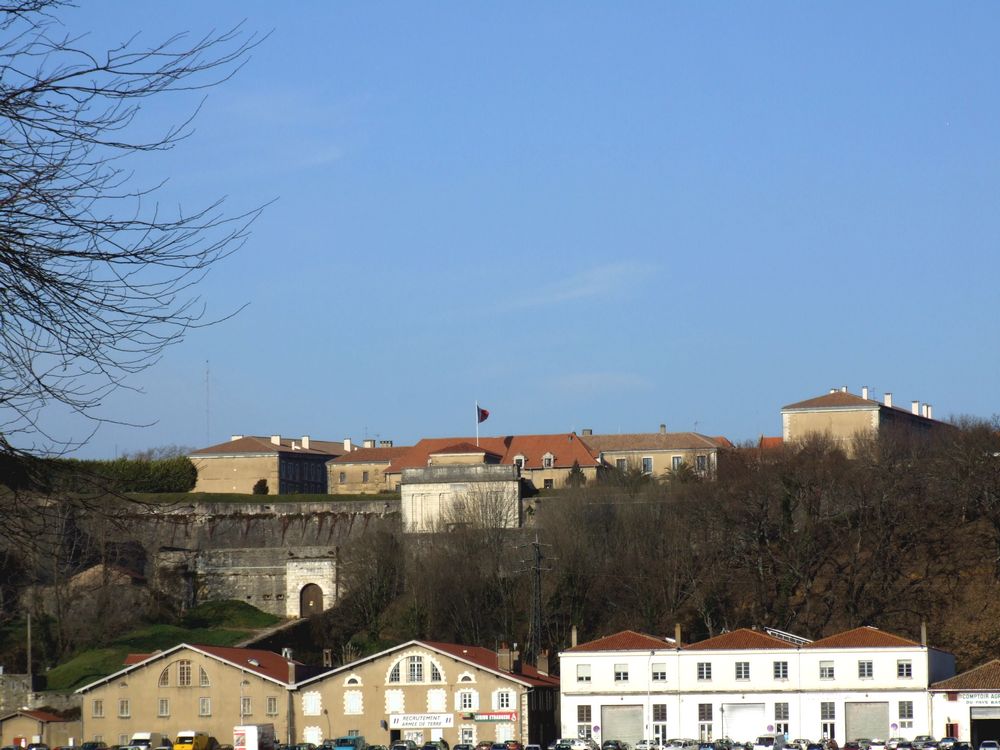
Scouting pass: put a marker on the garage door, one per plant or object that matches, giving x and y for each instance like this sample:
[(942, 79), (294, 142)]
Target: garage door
[(866, 720), (742, 721), (621, 723)]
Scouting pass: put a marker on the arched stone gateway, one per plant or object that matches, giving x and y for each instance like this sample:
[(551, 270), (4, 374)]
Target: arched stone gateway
[(310, 600)]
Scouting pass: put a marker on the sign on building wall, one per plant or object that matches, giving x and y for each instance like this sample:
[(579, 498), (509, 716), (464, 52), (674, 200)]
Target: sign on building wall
[(980, 699), (491, 716), (421, 721)]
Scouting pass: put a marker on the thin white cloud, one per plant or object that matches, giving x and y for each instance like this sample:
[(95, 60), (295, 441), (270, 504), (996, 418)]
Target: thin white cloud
[(589, 383), (604, 281)]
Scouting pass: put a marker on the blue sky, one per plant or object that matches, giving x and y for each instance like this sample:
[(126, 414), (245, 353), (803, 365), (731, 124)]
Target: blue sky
[(583, 215)]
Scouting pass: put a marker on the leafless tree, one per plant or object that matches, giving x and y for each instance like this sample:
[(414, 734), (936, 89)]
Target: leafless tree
[(96, 278)]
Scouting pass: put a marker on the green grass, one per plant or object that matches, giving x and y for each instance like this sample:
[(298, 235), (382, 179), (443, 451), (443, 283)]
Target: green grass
[(222, 623), (188, 498)]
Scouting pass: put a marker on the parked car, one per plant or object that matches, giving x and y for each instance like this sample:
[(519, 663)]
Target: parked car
[(989, 745), (464, 746), (852, 745), (946, 743), (876, 744), (961, 746), (513, 745), (648, 745), (921, 739), (614, 745), (411, 745), (892, 742), (527, 747), (815, 746)]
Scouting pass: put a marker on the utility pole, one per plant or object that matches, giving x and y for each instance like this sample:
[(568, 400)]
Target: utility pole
[(534, 645)]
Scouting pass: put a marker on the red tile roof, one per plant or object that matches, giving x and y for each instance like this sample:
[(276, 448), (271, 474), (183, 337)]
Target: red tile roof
[(131, 659), (565, 448), (771, 443), (863, 637), (487, 658), (43, 716), (268, 663), (371, 455), (462, 448), (984, 677), (742, 638), (654, 441), (257, 444), (626, 640)]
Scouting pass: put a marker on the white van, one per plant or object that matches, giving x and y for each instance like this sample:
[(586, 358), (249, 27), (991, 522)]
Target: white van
[(151, 740), (769, 742)]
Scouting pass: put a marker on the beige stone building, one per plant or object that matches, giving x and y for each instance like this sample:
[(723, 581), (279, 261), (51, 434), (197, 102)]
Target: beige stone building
[(362, 471), (473, 489), (656, 454), (287, 465), (201, 688), (21, 728), (424, 691), (843, 417)]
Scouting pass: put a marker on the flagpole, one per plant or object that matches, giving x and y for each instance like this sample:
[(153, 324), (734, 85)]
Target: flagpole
[(477, 424)]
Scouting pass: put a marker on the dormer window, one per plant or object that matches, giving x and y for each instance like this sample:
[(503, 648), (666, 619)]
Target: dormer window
[(520, 462), (548, 461)]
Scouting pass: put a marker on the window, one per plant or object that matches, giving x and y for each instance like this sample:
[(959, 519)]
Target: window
[(865, 670), (203, 677), (246, 706), (466, 700), (415, 669), (163, 707), (704, 712), (519, 462), (548, 461), (704, 670), (675, 462), (647, 465), (904, 669), (97, 709), (660, 722), (621, 465), (906, 714), (505, 699), (435, 673), (312, 704), (701, 464), (343, 477), (164, 678), (705, 722), (826, 670), (353, 704), (124, 711), (583, 722), (583, 673), (659, 672), (828, 716), (394, 673), (742, 670), (781, 670), (621, 672), (204, 706), (781, 718), (184, 673), (123, 739), (271, 707), (364, 476), (548, 484)]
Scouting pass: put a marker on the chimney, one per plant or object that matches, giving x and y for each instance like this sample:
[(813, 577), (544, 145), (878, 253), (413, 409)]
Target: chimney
[(503, 658), (915, 407), (930, 411), (369, 443), (542, 664), (385, 444), (515, 660), (327, 657), (888, 400), (305, 442), (236, 437), (923, 633), (276, 439), (864, 392), (833, 390), (663, 429), (347, 445), (587, 432), (286, 653), (291, 673), (677, 634), (572, 637), (843, 389)]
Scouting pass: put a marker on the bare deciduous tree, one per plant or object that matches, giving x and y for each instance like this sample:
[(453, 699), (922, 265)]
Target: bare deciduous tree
[(96, 279)]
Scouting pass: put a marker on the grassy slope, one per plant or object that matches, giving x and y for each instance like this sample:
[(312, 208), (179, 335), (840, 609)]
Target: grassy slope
[(214, 623)]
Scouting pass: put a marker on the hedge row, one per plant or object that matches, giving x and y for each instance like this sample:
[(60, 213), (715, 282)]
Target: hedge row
[(129, 475)]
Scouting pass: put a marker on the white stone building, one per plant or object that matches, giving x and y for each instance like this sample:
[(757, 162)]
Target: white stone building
[(968, 705), (860, 683)]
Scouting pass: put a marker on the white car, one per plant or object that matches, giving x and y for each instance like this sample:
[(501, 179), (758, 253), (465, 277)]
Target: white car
[(648, 745), (989, 745)]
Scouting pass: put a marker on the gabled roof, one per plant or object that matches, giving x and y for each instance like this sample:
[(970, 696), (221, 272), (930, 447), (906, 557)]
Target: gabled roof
[(565, 448), (984, 677), (476, 656), (36, 715), (740, 639), (863, 637), (771, 443), (258, 444), (371, 455), (835, 400), (464, 448), (267, 664), (654, 441), (626, 640)]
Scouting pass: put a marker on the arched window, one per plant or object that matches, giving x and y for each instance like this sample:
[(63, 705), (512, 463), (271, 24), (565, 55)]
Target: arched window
[(203, 677), (164, 677), (415, 669), (394, 673), (435, 673), (184, 673)]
